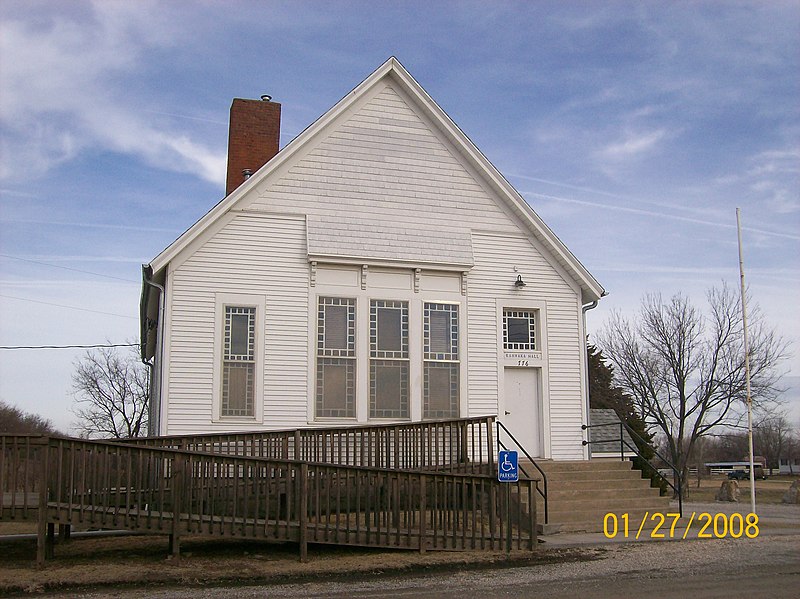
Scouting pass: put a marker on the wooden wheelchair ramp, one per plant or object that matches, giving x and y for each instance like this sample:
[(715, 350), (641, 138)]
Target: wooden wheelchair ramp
[(158, 490)]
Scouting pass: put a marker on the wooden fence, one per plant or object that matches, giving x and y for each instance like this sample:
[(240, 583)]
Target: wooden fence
[(99, 484)]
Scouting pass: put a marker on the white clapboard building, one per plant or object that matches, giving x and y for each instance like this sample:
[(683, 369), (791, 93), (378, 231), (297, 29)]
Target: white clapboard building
[(378, 268)]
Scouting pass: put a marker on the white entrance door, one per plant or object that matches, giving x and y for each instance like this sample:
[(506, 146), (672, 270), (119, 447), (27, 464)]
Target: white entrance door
[(522, 413)]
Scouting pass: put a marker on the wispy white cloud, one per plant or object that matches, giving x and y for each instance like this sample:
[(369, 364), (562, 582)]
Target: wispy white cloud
[(658, 214), (772, 162), (633, 144), (767, 179), (778, 274), (63, 90)]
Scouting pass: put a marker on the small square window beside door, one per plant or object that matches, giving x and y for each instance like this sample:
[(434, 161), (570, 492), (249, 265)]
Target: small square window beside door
[(519, 329)]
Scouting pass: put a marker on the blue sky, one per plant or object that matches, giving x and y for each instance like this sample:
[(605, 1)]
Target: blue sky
[(634, 129)]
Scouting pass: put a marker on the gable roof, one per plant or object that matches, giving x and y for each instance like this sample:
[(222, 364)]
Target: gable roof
[(591, 290)]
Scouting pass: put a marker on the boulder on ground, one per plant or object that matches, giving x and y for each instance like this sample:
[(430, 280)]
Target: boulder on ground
[(728, 491), (792, 494)]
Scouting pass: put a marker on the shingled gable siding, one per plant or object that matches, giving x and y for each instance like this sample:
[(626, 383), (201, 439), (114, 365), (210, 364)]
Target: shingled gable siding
[(263, 255), (491, 280), (385, 163)]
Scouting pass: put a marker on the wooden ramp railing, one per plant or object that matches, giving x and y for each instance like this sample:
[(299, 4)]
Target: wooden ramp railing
[(99, 484), (20, 476), (462, 444)]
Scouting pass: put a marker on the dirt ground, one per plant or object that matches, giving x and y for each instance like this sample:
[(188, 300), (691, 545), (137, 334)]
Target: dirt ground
[(132, 561), (91, 563)]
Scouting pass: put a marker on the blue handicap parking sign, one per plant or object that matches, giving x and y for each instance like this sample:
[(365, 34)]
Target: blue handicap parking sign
[(508, 467)]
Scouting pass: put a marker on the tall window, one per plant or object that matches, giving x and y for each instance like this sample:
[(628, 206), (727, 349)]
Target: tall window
[(441, 371), (336, 358), (388, 364), (239, 362), (519, 329)]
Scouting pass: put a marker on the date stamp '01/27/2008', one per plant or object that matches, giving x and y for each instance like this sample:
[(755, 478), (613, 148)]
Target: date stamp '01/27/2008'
[(668, 526)]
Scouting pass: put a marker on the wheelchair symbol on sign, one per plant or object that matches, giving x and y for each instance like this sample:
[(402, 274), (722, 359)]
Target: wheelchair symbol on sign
[(507, 467)]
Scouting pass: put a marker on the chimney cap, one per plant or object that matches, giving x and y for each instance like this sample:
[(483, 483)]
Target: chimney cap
[(266, 97)]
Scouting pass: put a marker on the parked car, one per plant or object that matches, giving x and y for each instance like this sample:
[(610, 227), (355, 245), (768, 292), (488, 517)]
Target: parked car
[(745, 474)]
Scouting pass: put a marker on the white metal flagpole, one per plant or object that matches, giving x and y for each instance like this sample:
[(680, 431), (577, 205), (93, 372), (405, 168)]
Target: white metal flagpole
[(747, 371)]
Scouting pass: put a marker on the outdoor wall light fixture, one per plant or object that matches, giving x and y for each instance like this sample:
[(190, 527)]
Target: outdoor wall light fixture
[(519, 283)]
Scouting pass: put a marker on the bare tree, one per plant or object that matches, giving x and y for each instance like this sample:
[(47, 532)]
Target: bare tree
[(685, 370), (731, 446), (772, 436), (792, 450), (112, 394), (13, 420)]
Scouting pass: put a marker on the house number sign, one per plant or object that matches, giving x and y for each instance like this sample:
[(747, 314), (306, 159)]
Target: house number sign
[(522, 358)]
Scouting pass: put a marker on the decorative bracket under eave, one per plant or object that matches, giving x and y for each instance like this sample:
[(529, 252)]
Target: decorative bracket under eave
[(312, 275)]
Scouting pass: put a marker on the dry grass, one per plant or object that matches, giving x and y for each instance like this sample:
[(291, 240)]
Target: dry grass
[(770, 490), (23, 527)]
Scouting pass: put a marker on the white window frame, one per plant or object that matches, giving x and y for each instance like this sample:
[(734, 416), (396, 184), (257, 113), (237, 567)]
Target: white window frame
[(222, 301), (378, 357), (533, 329), (357, 282), (450, 357), (326, 353)]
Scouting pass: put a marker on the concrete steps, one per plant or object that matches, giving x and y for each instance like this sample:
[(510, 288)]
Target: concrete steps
[(580, 494)]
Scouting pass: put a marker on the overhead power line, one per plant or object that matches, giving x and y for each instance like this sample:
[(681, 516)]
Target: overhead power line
[(93, 346), (25, 299)]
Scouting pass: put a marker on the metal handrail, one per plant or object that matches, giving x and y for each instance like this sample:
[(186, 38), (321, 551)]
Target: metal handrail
[(542, 492), (623, 443)]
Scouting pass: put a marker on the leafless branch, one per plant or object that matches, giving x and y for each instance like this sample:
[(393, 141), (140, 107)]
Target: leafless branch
[(685, 369), (111, 394)]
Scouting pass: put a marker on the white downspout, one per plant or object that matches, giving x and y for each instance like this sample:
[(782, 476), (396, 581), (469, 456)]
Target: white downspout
[(155, 390), (584, 309)]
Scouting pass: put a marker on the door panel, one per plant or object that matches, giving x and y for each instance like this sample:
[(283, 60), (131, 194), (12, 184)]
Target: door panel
[(523, 408)]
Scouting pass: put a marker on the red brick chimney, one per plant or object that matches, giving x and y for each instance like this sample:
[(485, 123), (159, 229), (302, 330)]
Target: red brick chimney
[(253, 138)]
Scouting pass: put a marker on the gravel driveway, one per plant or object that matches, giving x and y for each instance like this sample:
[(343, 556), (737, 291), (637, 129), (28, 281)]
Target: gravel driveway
[(569, 565), (766, 567)]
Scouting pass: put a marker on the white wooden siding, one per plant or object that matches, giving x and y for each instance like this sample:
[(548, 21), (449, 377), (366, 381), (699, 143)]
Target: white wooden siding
[(492, 279), (385, 164), (380, 167), (253, 254)]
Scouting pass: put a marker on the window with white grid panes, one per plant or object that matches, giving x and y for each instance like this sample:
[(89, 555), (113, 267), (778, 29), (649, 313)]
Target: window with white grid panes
[(336, 358), (388, 364), (441, 369), (519, 329), (239, 362)]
